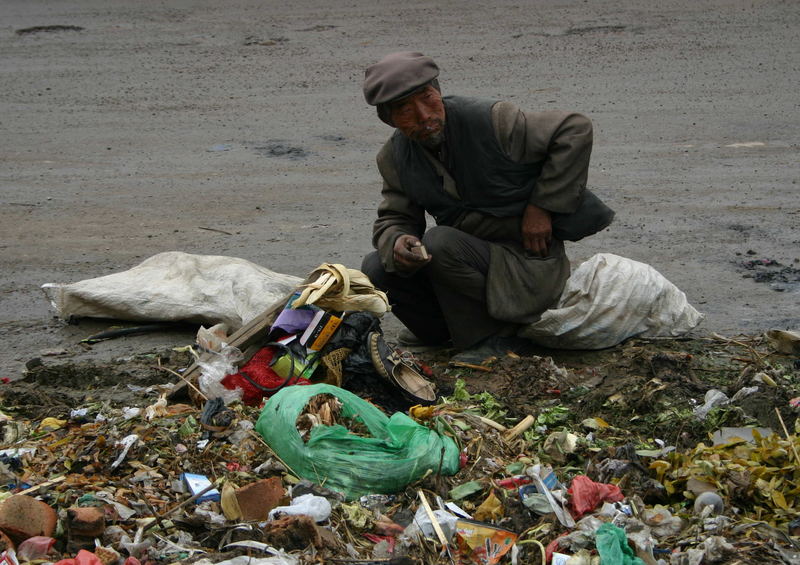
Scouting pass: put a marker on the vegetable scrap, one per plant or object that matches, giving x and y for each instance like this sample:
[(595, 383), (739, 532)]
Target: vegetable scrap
[(614, 456)]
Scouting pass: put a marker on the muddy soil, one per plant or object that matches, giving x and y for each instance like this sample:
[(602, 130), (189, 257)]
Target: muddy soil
[(238, 129)]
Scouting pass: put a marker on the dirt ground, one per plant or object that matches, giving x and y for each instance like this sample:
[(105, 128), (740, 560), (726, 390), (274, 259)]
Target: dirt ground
[(135, 127)]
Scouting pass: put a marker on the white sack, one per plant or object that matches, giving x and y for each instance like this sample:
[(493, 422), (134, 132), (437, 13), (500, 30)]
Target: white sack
[(608, 299), (175, 286)]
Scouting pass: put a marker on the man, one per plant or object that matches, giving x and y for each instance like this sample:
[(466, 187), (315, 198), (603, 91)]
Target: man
[(504, 187)]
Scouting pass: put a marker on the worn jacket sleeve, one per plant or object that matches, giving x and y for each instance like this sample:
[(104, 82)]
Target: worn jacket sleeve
[(397, 214), (561, 141)]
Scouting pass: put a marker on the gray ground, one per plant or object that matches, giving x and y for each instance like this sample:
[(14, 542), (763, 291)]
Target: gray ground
[(107, 135)]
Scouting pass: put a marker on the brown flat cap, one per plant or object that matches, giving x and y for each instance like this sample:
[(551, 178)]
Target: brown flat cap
[(397, 75)]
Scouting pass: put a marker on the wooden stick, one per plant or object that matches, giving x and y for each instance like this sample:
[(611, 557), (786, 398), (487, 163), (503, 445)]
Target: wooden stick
[(436, 527), (493, 424), (42, 485), (184, 379), (521, 427), (788, 437), (179, 506), (470, 366)]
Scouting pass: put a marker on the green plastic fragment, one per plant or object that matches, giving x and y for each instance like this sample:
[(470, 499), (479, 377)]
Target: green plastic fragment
[(515, 468), (612, 545), (188, 427), (463, 491)]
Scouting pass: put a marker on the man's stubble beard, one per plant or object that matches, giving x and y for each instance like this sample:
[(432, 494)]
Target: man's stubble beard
[(434, 140)]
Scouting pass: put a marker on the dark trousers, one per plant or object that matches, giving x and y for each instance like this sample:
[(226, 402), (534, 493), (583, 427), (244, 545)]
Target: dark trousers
[(446, 299)]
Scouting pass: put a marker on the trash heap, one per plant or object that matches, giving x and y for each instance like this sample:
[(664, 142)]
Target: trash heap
[(673, 452)]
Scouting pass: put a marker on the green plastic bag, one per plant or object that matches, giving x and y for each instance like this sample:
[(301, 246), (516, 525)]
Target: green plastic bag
[(399, 451), (612, 545)]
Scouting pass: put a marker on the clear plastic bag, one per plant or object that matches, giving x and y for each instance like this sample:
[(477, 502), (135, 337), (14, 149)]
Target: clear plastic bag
[(217, 368)]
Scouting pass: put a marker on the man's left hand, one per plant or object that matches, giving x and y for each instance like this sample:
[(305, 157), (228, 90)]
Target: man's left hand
[(537, 230)]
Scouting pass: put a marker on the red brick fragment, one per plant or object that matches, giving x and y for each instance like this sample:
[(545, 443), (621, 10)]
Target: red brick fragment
[(89, 521), (22, 517), (5, 543), (258, 498), (294, 532)]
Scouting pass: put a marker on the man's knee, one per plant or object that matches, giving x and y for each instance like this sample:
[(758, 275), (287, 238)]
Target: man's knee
[(453, 249), (439, 239)]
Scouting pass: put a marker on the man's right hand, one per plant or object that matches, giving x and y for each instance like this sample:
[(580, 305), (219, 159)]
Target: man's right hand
[(408, 256)]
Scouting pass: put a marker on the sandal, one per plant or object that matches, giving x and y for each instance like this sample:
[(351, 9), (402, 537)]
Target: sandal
[(400, 374)]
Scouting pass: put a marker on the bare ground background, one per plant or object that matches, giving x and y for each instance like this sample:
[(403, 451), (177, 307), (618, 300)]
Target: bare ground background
[(126, 137)]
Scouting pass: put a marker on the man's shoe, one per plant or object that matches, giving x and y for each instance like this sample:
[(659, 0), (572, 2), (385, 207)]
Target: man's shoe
[(400, 373), (493, 346)]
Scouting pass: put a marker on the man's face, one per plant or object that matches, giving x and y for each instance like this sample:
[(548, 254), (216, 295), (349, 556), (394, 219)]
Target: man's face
[(420, 116)]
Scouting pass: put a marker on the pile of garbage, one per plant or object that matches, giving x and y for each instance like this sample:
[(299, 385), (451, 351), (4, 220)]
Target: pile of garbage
[(672, 452)]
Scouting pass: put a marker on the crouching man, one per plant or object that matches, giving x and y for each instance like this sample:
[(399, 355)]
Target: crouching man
[(505, 188)]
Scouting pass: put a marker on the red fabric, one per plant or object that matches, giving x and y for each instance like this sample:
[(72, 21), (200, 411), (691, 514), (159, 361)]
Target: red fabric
[(585, 495), (552, 548), (374, 538), (258, 370), (83, 558)]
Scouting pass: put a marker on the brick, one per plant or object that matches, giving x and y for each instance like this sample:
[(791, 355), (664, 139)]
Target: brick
[(22, 517), (5, 542), (293, 532), (87, 521), (258, 498)]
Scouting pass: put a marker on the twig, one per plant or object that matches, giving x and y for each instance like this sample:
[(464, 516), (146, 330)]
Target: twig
[(756, 357), (179, 506), (155, 514), (788, 437), (184, 379), (261, 439), (477, 454), (214, 229), (470, 366)]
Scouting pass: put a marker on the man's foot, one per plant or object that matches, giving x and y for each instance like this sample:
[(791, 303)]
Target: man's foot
[(493, 346), (406, 338)]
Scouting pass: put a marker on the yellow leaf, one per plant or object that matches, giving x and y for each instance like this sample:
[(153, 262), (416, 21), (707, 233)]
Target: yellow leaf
[(490, 509), (50, 424), (602, 423), (763, 488), (779, 500), (419, 412), (660, 467)]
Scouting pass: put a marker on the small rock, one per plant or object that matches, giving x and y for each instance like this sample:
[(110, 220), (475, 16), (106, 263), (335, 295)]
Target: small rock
[(711, 499), (32, 364)]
